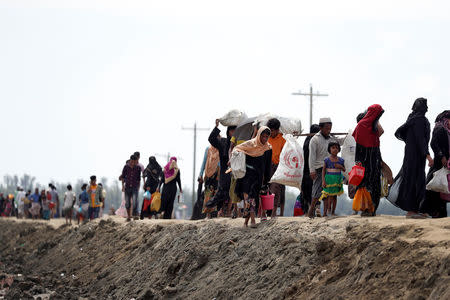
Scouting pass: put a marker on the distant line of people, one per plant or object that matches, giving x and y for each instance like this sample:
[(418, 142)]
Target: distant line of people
[(45, 204), (225, 196)]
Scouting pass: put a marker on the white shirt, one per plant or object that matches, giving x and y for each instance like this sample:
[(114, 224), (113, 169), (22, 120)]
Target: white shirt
[(318, 150), (69, 199)]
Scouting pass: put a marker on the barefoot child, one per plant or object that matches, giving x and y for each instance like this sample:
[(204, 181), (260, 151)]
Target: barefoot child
[(332, 179), (69, 201)]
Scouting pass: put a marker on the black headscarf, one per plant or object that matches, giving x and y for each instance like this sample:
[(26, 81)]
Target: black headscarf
[(419, 110), (153, 168)]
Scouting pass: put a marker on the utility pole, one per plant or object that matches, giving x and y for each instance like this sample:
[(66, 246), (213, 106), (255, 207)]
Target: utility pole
[(310, 94), (195, 128)]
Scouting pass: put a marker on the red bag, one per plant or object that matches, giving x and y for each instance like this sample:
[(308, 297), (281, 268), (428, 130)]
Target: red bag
[(356, 174)]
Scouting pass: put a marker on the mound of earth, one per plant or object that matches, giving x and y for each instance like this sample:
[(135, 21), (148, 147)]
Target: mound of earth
[(286, 258)]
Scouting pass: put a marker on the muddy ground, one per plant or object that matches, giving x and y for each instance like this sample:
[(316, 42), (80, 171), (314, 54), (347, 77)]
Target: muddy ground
[(286, 258)]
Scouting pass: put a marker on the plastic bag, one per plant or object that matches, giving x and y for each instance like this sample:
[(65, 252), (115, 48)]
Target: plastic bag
[(233, 118), (363, 201), (394, 190), (439, 182), (156, 202), (180, 198), (348, 153), (240, 204), (237, 164), (290, 168), (298, 210), (147, 195)]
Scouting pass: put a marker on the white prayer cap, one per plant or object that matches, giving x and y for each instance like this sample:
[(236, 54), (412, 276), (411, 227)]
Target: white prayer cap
[(324, 120)]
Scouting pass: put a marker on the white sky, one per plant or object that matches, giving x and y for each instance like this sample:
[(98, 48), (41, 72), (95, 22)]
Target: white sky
[(83, 84)]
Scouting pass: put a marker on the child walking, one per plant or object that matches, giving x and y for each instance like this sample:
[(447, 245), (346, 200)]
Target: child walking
[(69, 201), (332, 179)]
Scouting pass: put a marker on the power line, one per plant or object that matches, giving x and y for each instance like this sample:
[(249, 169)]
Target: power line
[(194, 129), (310, 94)]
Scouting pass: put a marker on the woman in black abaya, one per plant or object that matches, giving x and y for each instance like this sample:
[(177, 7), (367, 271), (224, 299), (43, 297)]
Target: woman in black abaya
[(153, 175), (416, 135), (435, 206)]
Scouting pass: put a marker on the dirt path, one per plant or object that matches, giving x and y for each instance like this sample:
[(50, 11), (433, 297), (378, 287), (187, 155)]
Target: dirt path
[(287, 258)]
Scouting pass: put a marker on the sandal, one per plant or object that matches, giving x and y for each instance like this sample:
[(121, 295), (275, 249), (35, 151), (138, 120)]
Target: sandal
[(415, 216)]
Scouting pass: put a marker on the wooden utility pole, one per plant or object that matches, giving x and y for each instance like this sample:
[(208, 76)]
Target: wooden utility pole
[(195, 128), (310, 94)]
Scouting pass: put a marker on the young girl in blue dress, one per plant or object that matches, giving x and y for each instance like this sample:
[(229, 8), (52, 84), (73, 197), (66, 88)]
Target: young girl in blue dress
[(332, 179)]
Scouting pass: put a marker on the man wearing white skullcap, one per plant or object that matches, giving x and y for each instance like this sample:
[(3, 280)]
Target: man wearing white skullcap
[(318, 151)]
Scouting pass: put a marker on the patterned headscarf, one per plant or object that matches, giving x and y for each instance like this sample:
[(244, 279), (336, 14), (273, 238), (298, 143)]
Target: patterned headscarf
[(171, 170), (254, 147)]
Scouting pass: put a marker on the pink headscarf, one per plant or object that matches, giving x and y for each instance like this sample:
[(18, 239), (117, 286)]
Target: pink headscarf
[(171, 170)]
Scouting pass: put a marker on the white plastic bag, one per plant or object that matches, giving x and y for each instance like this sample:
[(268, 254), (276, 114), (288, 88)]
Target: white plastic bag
[(240, 204), (290, 168), (233, 118), (394, 190), (439, 182), (348, 153), (237, 162)]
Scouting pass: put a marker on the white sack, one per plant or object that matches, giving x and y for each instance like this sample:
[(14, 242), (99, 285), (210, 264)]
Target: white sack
[(233, 118), (288, 125), (439, 183), (237, 164), (290, 168), (348, 153)]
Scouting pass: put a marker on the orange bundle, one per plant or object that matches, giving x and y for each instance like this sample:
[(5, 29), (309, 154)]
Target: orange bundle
[(363, 201)]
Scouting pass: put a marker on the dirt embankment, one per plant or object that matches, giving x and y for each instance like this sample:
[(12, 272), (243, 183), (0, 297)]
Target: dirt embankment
[(342, 258)]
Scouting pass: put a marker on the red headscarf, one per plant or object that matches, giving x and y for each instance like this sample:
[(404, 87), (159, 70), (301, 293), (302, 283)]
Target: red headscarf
[(364, 133)]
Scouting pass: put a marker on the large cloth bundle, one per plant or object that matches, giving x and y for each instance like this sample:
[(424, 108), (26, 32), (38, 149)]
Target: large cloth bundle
[(233, 118), (288, 125), (290, 168)]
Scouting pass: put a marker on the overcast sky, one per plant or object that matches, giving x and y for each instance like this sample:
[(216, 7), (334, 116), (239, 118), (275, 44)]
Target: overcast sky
[(83, 84)]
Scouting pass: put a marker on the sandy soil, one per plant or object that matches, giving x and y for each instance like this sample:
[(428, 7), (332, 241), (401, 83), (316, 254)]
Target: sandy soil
[(287, 258)]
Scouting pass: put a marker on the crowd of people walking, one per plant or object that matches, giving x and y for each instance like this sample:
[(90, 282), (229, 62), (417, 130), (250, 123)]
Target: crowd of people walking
[(221, 194), (46, 205)]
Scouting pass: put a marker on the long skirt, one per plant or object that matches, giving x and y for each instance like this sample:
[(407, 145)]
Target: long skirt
[(370, 158), (334, 186)]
